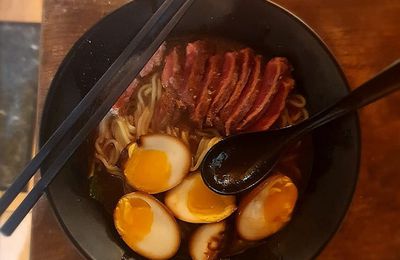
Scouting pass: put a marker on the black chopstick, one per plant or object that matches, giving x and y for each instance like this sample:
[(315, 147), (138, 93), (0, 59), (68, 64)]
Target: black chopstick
[(73, 117), (154, 37), (85, 103)]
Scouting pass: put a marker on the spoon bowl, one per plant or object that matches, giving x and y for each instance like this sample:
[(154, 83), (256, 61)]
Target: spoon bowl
[(239, 162)]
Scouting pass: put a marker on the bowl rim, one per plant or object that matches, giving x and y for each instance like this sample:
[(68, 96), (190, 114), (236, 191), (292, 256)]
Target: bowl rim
[(64, 64)]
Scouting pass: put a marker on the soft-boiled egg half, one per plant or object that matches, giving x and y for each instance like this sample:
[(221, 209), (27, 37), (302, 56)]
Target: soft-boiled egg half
[(207, 240), (267, 208), (156, 163), (192, 201), (147, 226)]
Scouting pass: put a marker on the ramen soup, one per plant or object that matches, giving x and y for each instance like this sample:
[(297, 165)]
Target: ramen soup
[(148, 149)]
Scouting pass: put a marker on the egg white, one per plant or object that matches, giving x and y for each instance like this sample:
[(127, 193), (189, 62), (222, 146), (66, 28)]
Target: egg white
[(178, 156), (206, 240), (251, 223), (177, 201), (164, 238)]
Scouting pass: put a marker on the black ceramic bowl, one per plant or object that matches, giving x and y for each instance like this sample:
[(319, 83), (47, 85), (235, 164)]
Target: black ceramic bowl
[(261, 25)]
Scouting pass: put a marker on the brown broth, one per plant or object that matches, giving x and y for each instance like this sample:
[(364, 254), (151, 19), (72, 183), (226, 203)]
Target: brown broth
[(296, 164)]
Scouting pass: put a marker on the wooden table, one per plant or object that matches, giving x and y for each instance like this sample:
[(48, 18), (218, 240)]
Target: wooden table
[(364, 35)]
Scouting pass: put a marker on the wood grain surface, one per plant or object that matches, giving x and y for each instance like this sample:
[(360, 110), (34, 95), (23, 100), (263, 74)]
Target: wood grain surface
[(364, 36), (26, 11)]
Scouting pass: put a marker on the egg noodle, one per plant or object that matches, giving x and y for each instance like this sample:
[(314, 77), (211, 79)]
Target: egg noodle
[(117, 130), (114, 133), (296, 104)]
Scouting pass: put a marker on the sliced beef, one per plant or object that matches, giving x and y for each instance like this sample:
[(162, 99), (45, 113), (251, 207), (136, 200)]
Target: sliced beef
[(124, 98), (275, 70), (209, 86), (182, 80), (247, 97), (224, 90), (275, 107), (169, 106), (172, 74), (150, 66), (167, 111), (154, 62), (246, 59), (196, 58)]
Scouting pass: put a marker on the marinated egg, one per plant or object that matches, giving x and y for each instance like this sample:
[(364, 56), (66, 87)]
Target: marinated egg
[(206, 241), (267, 208), (147, 226), (156, 163), (192, 201)]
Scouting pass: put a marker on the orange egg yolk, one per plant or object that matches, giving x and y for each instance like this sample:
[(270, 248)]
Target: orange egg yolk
[(148, 170), (280, 201), (203, 201), (133, 219)]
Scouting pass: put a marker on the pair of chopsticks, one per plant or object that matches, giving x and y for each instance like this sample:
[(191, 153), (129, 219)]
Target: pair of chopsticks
[(103, 95)]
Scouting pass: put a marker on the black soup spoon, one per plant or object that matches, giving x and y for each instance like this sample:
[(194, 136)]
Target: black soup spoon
[(239, 162)]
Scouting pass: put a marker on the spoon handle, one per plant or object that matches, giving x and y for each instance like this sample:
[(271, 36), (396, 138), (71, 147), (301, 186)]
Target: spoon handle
[(386, 82)]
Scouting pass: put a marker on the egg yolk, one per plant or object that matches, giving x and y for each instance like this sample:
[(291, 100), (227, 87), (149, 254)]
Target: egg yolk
[(148, 170), (280, 201), (203, 201), (133, 219)]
